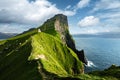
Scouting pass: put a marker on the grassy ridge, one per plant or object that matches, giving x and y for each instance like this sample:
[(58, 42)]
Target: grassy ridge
[(14, 64), (18, 63), (55, 57), (38, 56)]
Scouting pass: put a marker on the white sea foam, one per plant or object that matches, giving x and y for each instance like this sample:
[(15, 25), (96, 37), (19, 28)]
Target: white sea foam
[(90, 64)]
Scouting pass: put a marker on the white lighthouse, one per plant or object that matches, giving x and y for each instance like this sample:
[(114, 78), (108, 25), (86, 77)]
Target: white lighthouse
[(39, 30)]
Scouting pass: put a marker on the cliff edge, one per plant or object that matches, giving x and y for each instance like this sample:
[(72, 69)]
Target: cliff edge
[(59, 23)]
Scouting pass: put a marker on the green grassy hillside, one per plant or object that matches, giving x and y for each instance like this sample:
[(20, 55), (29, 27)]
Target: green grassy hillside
[(39, 56), (112, 73), (34, 56), (14, 63)]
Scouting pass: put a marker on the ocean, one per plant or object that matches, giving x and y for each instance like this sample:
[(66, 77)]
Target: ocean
[(101, 52)]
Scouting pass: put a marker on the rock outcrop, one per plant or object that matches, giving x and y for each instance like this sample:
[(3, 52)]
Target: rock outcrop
[(59, 23)]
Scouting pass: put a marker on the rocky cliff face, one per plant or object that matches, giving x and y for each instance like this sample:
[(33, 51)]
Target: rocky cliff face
[(59, 23), (61, 26)]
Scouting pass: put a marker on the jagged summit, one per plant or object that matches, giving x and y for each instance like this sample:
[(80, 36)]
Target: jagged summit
[(59, 23), (62, 18)]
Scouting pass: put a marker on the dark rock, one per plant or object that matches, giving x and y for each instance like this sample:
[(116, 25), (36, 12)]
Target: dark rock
[(61, 25), (81, 56)]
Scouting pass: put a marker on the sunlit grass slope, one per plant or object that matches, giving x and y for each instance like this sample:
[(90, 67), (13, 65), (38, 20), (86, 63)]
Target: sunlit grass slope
[(14, 64), (42, 56), (54, 56), (37, 56)]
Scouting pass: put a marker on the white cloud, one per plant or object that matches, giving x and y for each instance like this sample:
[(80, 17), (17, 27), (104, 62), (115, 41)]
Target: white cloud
[(81, 4), (108, 11), (13, 28), (100, 29), (24, 12), (93, 30), (106, 4), (109, 15), (69, 13), (88, 21), (106, 18), (112, 18), (68, 7)]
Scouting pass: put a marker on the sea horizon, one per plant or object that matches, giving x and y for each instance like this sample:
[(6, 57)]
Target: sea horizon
[(101, 52)]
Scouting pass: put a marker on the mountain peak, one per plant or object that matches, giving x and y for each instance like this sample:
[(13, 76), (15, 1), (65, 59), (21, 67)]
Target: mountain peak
[(59, 24), (62, 18)]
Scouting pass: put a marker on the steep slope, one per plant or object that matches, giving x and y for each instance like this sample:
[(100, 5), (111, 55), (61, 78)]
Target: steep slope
[(59, 23), (54, 56), (37, 55)]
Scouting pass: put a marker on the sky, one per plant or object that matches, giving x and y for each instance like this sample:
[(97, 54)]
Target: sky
[(84, 16)]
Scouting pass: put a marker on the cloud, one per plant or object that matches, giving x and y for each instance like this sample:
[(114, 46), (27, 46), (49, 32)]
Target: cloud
[(108, 11), (68, 7), (16, 14), (107, 5), (106, 18), (88, 21), (81, 4), (93, 30), (25, 12), (110, 17), (13, 28)]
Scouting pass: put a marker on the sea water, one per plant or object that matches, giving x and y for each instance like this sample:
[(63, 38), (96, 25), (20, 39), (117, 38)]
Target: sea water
[(100, 52)]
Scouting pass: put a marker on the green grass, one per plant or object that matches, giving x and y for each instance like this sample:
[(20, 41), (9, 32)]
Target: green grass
[(37, 55), (55, 57), (34, 56), (25, 35), (112, 73), (16, 66)]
